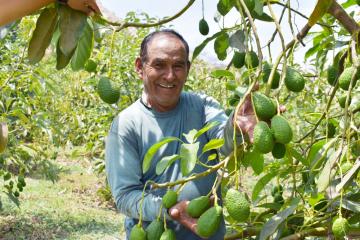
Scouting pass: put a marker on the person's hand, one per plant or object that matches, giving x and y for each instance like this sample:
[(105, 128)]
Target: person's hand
[(246, 118), (178, 213), (87, 6)]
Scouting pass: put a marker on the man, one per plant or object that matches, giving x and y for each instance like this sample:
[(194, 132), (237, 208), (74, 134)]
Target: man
[(163, 111)]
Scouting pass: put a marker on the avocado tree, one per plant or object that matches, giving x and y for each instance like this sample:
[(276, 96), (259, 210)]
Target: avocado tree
[(307, 157)]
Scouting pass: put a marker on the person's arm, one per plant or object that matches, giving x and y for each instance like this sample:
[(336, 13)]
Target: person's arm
[(11, 10), (124, 173)]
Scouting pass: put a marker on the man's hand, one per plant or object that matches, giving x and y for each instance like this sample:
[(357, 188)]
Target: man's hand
[(178, 213), (246, 118), (87, 6)]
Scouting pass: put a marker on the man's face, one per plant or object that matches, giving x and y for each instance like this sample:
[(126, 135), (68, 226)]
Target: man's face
[(165, 71)]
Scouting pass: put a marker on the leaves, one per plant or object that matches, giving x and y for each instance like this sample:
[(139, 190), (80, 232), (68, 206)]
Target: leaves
[(237, 40), (41, 37), (61, 59), (72, 24), (270, 226), (199, 48), (153, 149), (188, 153), (259, 186), (206, 128), (166, 162), (320, 9), (213, 144), (219, 73), (256, 161), (84, 48), (221, 44), (328, 172)]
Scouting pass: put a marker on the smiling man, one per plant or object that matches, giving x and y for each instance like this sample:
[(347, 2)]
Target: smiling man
[(163, 111)]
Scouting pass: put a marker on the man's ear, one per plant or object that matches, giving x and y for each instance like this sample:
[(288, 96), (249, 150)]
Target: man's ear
[(139, 67)]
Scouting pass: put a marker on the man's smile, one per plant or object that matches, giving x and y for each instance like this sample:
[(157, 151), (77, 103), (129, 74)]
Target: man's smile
[(164, 85)]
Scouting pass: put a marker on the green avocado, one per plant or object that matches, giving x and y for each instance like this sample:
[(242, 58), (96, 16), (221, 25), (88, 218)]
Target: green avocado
[(238, 59), (237, 205), (155, 230), (137, 233), (108, 91), (281, 129), (263, 138), (264, 106), (279, 150), (209, 222), (198, 206), (345, 77), (170, 198), (294, 81), (169, 234), (251, 60), (266, 74), (203, 27)]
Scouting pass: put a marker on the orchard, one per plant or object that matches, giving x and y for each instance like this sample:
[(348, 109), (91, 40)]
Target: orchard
[(65, 76)]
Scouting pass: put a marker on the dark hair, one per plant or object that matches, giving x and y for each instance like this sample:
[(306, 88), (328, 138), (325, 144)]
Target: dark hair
[(145, 42)]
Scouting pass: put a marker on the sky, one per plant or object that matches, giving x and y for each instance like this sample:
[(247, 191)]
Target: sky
[(187, 24)]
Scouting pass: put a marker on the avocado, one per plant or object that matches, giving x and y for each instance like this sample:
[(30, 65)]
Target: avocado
[(209, 222), (281, 129), (198, 206), (237, 205), (263, 106), (294, 81)]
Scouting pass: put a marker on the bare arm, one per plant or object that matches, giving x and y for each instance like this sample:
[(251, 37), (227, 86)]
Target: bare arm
[(15, 9)]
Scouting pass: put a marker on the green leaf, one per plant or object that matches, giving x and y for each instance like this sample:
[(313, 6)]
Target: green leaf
[(259, 186), (256, 161), (320, 9), (188, 153), (270, 226), (349, 176), (274, 206), (221, 44), (318, 152), (212, 157), (13, 199), (222, 73), (237, 40), (258, 9), (83, 49), (263, 17), (213, 144), (153, 149), (61, 59), (224, 6), (350, 205), (292, 152), (328, 172), (313, 50), (165, 162), (190, 136), (41, 37), (199, 48), (206, 128), (72, 24)]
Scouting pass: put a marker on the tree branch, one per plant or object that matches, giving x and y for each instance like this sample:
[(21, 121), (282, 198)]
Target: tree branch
[(348, 22)]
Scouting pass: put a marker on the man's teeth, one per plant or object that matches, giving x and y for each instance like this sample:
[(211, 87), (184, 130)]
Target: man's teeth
[(167, 86)]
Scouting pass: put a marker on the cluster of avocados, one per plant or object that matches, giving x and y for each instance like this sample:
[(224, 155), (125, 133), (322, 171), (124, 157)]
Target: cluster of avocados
[(274, 138)]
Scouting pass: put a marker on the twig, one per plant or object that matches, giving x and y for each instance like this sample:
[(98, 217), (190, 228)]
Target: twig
[(193, 177), (147, 25)]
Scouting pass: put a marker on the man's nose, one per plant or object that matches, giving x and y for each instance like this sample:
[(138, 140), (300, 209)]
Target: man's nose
[(170, 74)]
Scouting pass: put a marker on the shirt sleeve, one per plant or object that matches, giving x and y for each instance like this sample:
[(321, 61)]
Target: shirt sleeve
[(214, 112), (124, 173)]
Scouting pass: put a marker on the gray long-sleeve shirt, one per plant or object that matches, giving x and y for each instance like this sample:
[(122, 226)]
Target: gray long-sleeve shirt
[(135, 130)]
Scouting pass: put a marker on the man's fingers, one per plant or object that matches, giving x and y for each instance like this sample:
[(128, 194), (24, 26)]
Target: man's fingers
[(174, 213), (282, 108)]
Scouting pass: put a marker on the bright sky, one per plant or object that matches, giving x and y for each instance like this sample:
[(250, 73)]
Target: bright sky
[(187, 24)]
